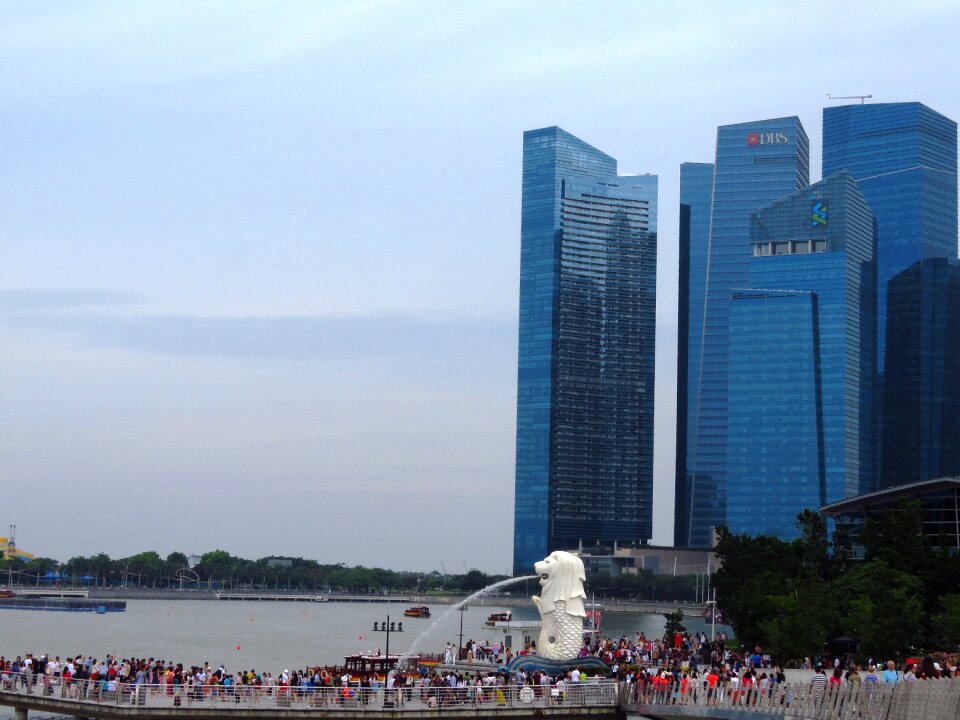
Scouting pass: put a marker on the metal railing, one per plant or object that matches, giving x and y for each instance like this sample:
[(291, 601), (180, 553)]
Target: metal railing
[(927, 699), (592, 693)]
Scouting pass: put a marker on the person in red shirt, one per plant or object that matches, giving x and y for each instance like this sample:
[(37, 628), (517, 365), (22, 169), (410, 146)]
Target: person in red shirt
[(712, 679)]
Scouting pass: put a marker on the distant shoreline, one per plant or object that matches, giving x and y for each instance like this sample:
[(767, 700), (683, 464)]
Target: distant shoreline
[(509, 601)]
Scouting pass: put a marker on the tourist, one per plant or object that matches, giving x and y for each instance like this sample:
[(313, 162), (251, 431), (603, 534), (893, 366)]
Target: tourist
[(713, 677), (818, 681), (853, 675), (929, 670), (908, 673), (890, 675)]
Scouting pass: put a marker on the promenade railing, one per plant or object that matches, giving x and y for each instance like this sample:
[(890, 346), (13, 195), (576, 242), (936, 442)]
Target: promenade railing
[(926, 699), (593, 693)]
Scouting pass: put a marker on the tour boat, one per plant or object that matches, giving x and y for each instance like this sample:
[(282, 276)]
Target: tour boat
[(417, 611), (594, 615), (498, 617)]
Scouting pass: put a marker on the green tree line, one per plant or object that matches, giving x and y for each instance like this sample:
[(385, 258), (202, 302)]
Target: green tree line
[(644, 585), (792, 598), (219, 569)]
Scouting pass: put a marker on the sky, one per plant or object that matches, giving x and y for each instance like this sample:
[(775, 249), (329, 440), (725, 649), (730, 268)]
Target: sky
[(260, 271)]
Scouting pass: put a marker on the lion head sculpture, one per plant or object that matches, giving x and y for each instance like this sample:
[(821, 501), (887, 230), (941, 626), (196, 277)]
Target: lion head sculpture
[(561, 579)]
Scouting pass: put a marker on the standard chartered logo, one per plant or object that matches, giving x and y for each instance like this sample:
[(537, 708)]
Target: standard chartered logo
[(818, 214)]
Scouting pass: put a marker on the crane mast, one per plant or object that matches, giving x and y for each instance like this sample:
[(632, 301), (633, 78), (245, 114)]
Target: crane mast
[(862, 98)]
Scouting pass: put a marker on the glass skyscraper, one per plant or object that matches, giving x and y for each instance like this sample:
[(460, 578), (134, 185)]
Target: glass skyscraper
[(584, 464), (756, 164), (904, 157), (696, 192), (921, 418), (802, 360)]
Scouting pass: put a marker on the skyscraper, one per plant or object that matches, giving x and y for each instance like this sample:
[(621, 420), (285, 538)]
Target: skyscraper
[(802, 360), (756, 163), (584, 467), (904, 157), (921, 418), (696, 192)]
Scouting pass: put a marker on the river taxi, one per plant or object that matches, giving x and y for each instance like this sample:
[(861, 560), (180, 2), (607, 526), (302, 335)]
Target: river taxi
[(417, 611)]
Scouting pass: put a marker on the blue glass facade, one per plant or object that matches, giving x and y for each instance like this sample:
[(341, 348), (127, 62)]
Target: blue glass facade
[(696, 193), (775, 459), (904, 157), (756, 163), (802, 364), (586, 350), (921, 418)]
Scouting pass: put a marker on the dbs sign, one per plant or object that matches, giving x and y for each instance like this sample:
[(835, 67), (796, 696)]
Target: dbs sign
[(769, 138)]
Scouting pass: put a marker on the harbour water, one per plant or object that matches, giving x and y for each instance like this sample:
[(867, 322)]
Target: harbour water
[(262, 635), (266, 636)]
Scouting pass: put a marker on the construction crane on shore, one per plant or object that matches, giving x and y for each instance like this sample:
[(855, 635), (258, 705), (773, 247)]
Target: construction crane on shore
[(8, 546), (862, 98)]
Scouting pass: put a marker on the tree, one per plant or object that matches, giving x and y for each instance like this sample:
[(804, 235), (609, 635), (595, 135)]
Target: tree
[(752, 570), (882, 607), (473, 580), (812, 546), (799, 622), (947, 621), (897, 538), (674, 625)]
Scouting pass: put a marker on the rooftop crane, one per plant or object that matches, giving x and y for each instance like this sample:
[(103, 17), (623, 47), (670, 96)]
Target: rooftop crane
[(861, 98)]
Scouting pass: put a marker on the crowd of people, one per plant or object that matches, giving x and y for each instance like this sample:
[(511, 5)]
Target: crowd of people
[(89, 677), (677, 667)]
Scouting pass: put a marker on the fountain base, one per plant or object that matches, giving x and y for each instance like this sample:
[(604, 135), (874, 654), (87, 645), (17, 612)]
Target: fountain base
[(590, 665)]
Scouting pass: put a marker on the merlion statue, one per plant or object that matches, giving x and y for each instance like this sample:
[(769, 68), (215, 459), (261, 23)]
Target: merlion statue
[(560, 605)]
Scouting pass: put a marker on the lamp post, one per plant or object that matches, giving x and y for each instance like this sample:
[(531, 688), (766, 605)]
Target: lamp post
[(462, 609), (780, 614), (388, 627), (713, 616)]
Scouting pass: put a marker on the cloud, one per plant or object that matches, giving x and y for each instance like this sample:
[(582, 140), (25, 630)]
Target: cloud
[(86, 316), (27, 299)]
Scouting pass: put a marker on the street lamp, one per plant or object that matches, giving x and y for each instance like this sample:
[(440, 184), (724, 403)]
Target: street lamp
[(388, 627), (713, 616), (462, 609), (780, 614)]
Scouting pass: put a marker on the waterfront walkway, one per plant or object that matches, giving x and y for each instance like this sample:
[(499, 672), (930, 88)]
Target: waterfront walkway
[(920, 700), (109, 701), (600, 699)]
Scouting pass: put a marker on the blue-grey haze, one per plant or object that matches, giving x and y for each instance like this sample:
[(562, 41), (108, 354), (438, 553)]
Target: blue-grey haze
[(196, 199)]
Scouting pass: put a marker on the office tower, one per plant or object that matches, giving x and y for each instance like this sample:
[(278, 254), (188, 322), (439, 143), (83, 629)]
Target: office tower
[(904, 157), (921, 418), (802, 360), (584, 468), (696, 191), (756, 164)]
